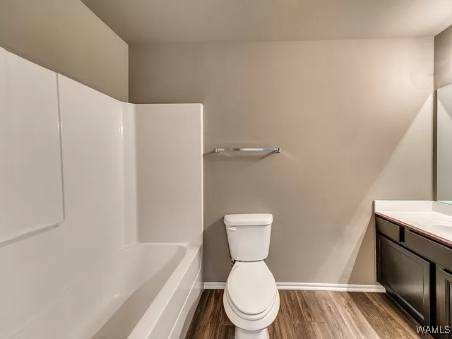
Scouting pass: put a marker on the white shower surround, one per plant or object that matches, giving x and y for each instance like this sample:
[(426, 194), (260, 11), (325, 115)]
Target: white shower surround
[(80, 277)]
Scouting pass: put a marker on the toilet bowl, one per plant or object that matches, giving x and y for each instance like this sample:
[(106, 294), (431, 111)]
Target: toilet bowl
[(250, 299)]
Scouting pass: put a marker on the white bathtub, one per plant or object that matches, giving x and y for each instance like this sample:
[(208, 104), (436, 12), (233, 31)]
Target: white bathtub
[(149, 290), (157, 289)]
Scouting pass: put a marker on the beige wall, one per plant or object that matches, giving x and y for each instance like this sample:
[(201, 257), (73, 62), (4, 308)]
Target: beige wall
[(443, 77), (443, 58), (65, 36), (443, 142), (353, 118)]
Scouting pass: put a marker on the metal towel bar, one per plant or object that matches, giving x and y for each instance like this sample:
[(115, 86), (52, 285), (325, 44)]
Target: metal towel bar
[(270, 150)]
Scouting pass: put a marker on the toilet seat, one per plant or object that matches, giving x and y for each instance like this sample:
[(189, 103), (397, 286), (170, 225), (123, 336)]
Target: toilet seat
[(251, 299), (245, 322), (251, 288), (245, 316)]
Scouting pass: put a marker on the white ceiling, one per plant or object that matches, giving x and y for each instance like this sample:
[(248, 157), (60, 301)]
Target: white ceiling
[(150, 21)]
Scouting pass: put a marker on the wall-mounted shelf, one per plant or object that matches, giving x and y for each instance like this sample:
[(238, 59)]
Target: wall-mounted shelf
[(248, 150)]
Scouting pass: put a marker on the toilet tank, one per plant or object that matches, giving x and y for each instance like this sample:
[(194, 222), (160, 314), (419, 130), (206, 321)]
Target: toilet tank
[(248, 235)]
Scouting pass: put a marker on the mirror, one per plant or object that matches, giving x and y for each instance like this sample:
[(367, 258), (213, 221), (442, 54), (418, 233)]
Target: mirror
[(444, 145)]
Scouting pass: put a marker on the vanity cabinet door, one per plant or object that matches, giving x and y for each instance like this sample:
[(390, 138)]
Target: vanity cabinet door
[(444, 301), (406, 278)]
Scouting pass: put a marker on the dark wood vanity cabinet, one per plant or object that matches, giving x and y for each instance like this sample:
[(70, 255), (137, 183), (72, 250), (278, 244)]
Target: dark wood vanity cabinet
[(406, 278), (444, 300), (416, 272)]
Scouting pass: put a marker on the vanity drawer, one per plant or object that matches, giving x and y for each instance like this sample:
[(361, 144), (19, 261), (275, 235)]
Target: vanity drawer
[(429, 249), (387, 228)]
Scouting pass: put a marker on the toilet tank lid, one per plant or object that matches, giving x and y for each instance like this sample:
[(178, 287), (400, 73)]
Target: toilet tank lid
[(256, 219)]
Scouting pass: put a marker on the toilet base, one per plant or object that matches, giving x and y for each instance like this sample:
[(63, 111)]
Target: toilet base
[(244, 334)]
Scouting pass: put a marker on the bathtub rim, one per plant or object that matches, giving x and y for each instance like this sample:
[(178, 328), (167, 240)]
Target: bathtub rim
[(150, 318)]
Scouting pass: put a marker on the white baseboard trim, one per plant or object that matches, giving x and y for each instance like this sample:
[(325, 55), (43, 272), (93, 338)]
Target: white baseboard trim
[(330, 287), (210, 285), (214, 285)]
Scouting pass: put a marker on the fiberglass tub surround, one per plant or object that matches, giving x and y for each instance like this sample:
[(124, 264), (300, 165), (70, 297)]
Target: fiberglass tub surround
[(93, 274)]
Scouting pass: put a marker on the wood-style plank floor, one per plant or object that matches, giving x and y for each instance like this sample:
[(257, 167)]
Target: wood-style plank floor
[(313, 314)]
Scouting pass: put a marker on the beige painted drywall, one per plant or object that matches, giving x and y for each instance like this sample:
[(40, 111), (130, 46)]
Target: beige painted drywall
[(443, 142), (443, 58), (65, 36), (354, 120), (443, 77)]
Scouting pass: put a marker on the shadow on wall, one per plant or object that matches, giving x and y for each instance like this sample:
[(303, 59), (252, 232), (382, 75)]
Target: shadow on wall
[(216, 231), (364, 249), (355, 252)]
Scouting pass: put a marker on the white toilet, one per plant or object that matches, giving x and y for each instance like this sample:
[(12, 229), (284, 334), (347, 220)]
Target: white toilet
[(250, 299)]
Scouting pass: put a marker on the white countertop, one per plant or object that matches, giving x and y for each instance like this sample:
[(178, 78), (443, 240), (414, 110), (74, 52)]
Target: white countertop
[(428, 217)]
